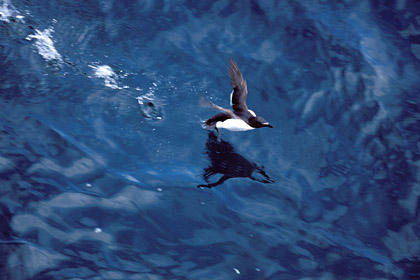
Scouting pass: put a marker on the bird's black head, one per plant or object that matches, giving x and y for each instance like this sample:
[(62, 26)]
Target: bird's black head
[(259, 122)]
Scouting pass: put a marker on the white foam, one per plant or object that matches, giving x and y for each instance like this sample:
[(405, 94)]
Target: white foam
[(45, 45), (5, 13), (105, 72), (145, 98)]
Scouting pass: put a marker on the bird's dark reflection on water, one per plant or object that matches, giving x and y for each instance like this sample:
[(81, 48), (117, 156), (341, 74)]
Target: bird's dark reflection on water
[(224, 160)]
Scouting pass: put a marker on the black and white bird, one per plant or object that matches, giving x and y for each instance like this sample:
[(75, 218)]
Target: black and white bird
[(241, 118)]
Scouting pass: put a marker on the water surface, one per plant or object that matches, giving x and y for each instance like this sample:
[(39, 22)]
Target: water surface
[(106, 172)]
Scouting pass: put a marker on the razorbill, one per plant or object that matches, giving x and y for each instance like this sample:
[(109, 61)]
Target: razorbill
[(241, 118)]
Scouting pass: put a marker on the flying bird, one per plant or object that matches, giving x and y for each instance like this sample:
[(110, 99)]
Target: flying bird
[(240, 118)]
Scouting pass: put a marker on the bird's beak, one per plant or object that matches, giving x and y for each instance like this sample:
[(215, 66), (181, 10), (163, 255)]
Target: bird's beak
[(267, 125), (270, 126)]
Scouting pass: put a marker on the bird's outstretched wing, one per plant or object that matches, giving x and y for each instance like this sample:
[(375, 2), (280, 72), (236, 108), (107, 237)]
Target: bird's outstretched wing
[(240, 90)]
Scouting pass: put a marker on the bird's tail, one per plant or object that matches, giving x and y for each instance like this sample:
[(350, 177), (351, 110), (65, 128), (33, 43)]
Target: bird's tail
[(204, 102), (208, 125), (205, 125)]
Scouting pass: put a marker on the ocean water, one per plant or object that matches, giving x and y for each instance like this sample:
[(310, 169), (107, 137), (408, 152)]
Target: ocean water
[(106, 172)]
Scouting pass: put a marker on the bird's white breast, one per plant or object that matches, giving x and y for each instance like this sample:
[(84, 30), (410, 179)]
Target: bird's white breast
[(234, 125)]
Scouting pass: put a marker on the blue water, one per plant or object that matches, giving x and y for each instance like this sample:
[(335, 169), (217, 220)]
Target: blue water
[(106, 172)]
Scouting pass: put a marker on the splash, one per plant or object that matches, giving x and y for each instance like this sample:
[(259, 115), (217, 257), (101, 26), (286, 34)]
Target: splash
[(45, 45), (149, 107), (105, 72), (7, 11)]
